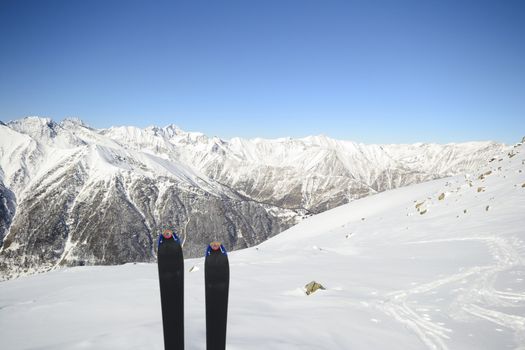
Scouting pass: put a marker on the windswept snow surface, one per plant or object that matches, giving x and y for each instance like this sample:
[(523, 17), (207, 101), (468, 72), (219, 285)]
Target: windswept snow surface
[(439, 265)]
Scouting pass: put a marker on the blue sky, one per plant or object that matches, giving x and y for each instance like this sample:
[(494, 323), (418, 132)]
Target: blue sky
[(369, 71)]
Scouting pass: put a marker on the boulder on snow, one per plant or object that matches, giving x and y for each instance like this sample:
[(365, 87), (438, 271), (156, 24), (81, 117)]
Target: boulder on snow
[(487, 208), (441, 196), (418, 205), (313, 287), (422, 212), (481, 189), (523, 185)]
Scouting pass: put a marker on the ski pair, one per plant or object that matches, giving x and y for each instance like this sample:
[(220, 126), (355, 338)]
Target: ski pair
[(171, 278)]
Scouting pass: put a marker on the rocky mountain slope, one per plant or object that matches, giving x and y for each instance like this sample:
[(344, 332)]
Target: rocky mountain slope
[(73, 195)]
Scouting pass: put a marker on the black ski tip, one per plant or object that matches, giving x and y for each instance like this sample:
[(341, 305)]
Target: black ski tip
[(168, 234), (215, 247)]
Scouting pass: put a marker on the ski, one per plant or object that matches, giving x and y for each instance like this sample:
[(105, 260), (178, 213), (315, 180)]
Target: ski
[(171, 279), (217, 282)]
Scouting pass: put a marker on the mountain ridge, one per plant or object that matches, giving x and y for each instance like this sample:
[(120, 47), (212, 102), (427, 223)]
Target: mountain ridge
[(89, 187)]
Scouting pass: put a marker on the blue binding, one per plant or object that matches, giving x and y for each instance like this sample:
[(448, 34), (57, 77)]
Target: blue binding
[(209, 250), (161, 238)]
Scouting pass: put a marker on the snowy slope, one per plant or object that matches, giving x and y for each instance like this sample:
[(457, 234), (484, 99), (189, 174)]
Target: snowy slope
[(438, 265)]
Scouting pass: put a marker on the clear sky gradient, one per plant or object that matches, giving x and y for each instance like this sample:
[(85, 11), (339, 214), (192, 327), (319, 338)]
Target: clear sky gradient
[(369, 71)]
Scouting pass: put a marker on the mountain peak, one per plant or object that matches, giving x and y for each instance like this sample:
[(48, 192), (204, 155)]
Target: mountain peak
[(72, 122), (34, 119), (172, 130), (34, 126)]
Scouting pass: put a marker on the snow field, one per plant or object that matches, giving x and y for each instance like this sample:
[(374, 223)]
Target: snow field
[(396, 278)]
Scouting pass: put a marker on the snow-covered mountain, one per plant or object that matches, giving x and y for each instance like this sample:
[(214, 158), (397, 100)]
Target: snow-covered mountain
[(314, 173), (73, 195), (437, 265)]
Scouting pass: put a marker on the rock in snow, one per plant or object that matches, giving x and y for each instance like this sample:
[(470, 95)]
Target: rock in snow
[(313, 287)]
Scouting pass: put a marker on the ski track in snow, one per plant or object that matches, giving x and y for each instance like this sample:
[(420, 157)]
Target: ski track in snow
[(481, 290)]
